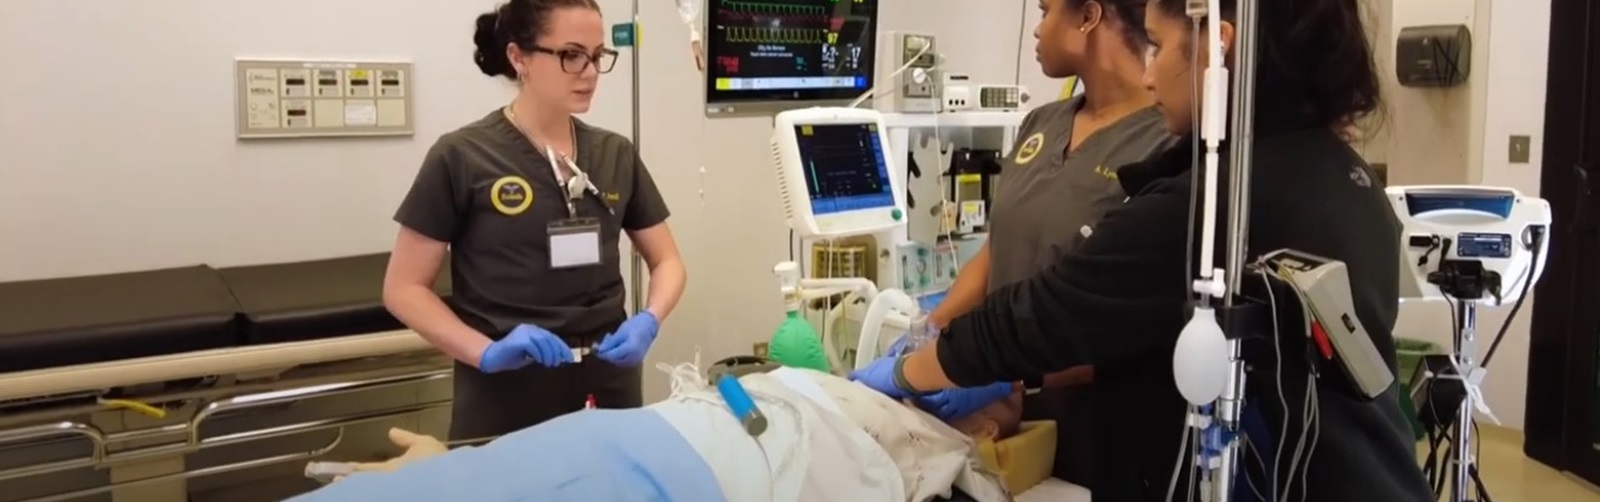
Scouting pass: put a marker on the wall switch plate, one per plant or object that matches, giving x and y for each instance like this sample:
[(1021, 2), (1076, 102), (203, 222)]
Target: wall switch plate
[(760, 349), (1521, 149)]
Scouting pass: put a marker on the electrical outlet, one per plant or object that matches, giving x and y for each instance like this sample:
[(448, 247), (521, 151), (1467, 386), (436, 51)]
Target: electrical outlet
[(759, 349), (1521, 149)]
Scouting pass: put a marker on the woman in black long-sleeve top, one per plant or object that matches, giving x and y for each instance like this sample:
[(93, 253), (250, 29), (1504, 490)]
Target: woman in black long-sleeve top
[(1121, 299)]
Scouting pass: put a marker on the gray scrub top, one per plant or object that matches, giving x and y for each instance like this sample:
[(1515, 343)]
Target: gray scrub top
[(486, 190), (1047, 198)]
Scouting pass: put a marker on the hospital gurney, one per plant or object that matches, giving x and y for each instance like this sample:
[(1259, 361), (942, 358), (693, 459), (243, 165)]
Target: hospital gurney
[(153, 386)]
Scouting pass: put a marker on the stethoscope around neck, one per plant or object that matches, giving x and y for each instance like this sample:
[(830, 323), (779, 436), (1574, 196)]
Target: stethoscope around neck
[(574, 186)]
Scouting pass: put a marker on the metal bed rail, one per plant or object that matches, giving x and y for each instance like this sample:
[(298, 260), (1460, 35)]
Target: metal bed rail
[(221, 469), (190, 432)]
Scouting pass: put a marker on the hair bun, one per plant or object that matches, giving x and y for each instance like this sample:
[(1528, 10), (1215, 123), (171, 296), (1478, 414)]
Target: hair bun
[(491, 53)]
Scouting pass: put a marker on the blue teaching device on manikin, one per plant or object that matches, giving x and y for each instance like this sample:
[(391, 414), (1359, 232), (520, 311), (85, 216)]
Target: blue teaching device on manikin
[(836, 172), (1457, 239)]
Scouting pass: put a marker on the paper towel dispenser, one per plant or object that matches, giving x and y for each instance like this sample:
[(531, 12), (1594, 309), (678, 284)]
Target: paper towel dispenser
[(1433, 56)]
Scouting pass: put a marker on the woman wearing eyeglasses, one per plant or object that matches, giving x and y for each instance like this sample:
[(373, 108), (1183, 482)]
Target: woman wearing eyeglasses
[(528, 203)]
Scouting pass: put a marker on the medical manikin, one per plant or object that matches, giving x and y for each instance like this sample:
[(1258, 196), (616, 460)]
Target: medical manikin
[(826, 438)]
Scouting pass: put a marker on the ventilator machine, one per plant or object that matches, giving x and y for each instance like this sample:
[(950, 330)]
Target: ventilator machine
[(837, 178)]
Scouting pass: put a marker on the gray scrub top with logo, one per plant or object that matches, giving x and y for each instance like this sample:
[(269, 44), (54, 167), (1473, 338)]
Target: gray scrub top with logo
[(488, 192), (1047, 198)]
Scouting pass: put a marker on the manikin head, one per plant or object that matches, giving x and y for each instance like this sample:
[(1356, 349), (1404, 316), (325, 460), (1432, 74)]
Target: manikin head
[(553, 49), (1074, 35), (1313, 64), (997, 421)]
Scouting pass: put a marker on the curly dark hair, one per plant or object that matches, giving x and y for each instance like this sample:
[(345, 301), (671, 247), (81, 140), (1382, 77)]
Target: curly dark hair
[(1314, 67)]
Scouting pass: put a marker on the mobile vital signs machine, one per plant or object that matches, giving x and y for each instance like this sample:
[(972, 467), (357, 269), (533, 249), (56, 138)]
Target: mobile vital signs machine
[(836, 178), (1468, 245)]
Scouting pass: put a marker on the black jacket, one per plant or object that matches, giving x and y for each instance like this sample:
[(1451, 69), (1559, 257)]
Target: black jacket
[(1120, 300)]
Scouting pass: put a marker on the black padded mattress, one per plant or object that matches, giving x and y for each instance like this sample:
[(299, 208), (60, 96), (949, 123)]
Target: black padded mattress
[(80, 320), (315, 299)]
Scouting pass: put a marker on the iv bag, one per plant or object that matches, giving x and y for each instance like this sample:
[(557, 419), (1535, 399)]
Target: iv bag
[(689, 11)]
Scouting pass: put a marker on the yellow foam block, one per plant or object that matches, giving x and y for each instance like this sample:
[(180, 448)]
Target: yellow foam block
[(1024, 460)]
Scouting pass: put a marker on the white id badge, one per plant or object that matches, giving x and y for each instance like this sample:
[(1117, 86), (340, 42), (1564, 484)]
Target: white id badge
[(574, 243)]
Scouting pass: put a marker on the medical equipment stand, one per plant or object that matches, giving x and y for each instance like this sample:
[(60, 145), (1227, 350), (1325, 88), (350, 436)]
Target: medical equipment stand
[(636, 265), (1219, 448), (1466, 295), (1232, 402), (1466, 349)]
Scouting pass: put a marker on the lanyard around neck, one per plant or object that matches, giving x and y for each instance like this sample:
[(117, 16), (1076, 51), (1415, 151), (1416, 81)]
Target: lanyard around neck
[(579, 182), (550, 154)]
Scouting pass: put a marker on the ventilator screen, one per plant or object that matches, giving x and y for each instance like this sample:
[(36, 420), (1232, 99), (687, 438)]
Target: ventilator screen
[(845, 167)]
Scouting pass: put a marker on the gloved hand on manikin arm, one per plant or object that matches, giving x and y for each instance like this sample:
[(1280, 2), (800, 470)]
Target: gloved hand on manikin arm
[(952, 404), (525, 345), (627, 346), (882, 375)]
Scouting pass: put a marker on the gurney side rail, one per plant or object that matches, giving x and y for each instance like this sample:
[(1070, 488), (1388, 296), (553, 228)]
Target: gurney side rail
[(101, 442), (221, 469)]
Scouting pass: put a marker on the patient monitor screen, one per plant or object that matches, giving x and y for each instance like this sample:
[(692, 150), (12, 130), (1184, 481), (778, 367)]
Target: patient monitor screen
[(844, 166), (789, 50)]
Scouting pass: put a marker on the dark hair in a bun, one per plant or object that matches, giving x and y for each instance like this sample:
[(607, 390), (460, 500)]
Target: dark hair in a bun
[(515, 22)]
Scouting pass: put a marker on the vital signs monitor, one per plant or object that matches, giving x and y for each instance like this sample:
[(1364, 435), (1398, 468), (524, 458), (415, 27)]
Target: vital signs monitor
[(835, 172), (1492, 237)]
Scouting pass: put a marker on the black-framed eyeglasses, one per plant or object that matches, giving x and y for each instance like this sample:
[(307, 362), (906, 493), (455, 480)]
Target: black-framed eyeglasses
[(575, 61)]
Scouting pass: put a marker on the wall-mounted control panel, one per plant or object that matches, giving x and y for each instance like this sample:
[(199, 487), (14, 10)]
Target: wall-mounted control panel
[(302, 99)]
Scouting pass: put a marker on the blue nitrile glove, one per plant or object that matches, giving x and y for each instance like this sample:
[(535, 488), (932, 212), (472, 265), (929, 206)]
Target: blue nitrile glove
[(898, 347), (951, 404), (628, 345), (526, 344), (880, 376)]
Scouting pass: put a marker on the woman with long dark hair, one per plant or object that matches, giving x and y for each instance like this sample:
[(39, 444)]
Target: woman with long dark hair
[(1119, 300)]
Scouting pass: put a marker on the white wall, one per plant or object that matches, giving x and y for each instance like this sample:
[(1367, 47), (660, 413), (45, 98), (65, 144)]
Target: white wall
[(1431, 130), (117, 147), (1461, 136), (1043, 89)]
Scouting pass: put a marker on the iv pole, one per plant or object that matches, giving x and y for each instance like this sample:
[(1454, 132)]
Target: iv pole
[(1232, 401), (635, 262), (1219, 453)]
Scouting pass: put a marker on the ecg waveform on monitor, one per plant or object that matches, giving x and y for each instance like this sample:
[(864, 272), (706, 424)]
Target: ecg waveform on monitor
[(774, 16), (773, 8), (763, 35)]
